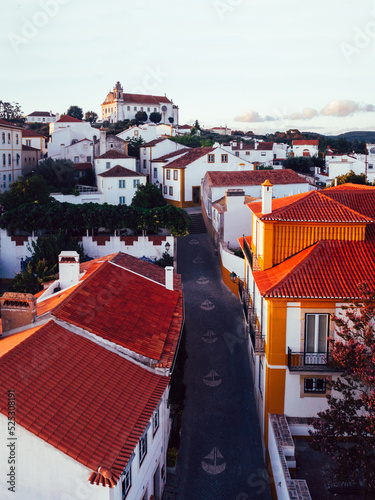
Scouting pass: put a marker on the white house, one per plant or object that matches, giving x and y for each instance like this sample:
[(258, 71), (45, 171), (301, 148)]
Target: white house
[(120, 106), (221, 130), (147, 132), (73, 140), (337, 164), (10, 154), (34, 140), (111, 158), (182, 176), (155, 149), (305, 147), (119, 184), (219, 187), (84, 386), (259, 152), (40, 117)]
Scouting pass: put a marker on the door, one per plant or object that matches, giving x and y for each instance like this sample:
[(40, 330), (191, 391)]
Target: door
[(316, 339), (196, 195), (157, 483)]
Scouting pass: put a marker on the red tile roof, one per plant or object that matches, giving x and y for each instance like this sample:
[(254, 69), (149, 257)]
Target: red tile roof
[(68, 119), (29, 148), (145, 99), (189, 157), (153, 143), (305, 142), (121, 306), (72, 392), (7, 124), (112, 154), (119, 171), (41, 113), (354, 196), (328, 269), (254, 177), (171, 155), (30, 133), (83, 166), (313, 206)]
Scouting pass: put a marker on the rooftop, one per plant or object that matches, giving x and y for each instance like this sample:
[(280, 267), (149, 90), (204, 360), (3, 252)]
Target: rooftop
[(69, 119), (254, 177), (191, 156), (119, 171)]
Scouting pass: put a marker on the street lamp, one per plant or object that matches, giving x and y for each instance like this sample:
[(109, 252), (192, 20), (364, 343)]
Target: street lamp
[(167, 246), (233, 276)]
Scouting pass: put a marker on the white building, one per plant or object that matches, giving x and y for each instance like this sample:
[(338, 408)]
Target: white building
[(110, 159), (10, 154), (305, 147), (337, 164), (182, 177), (119, 185), (73, 140), (120, 106), (73, 366), (155, 149), (221, 130), (34, 140), (260, 152), (147, 132), (40, 117)]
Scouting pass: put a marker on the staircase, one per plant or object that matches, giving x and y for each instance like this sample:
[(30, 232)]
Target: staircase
[(197, 225)]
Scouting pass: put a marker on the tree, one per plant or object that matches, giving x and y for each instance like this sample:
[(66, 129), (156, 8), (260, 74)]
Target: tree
[(59, 174), (197, 125), (171, 120), (140, 117), (33, 190), (148, 196), (155, 117), (300, 164), (351, 177), (90, 116), (11, 112), (75, 112), (346, 430), (133, 145)]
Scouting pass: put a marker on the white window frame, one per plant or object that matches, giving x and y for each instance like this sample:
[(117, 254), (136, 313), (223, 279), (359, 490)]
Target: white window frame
[(135, 183), (122, 183), (142, 446), (316, 348), (121, 200), (155, 421)]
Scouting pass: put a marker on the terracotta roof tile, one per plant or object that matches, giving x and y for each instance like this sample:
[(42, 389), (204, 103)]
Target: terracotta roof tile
[(119, 171), (112, 154), (68, 119), (254, 177), (305, 142), (171, 155), (153, 143), (30, 133), (66, 398), (189, 157)]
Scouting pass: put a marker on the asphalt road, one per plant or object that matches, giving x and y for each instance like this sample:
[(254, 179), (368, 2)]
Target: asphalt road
[(220, 456)]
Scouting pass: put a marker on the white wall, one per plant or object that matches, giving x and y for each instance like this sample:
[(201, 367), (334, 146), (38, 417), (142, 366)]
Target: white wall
[(112, 192), (43, 472), (299, 149), (146, 154), (237, 220), (11, 254), (278, 462)]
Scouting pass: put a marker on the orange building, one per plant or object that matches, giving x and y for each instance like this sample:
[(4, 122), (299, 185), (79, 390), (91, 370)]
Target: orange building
[(305, 259)]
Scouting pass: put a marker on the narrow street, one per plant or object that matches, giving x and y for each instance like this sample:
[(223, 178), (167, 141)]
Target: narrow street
[(220, 456)]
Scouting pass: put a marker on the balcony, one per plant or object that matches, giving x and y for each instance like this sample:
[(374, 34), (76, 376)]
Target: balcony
[(311, 362), (257, 339)]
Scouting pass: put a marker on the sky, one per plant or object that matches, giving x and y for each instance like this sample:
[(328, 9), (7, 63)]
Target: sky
[(260, 65)]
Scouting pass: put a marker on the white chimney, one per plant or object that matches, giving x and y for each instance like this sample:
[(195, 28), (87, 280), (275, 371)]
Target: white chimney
[(68, 269), (266, 197), (241, 145), (335, 181), (169, 278)]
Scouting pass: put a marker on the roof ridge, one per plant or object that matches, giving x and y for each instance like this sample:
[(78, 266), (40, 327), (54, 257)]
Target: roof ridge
[(141, 275)]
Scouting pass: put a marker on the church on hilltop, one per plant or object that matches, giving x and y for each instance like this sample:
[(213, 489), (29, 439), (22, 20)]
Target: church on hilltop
[(119, 106)]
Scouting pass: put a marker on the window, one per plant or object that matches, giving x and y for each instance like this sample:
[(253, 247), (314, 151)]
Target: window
[(9, 159), (44, 119), (370, 165), (175, 175), (260, 375), (316, 339), (168, 174), (5, 160), (155, 110), (126, 481), (148, 109), (18, 159), (121, 200), (237, 153), (170, 190), (121, 183), (135, 183), (247, 153), (135, 108), (155, 422), (142, 447), (165, 190), (136, 133), (155, 173), (107, 164), (10, 177), (8, 138), (144, 163), (128, 108), (3, 135), (211, 158), (28, 143), (141, 108), (16, 138), (88, 159), (317, 385), (224, 158), (76, 159), (262, 153)]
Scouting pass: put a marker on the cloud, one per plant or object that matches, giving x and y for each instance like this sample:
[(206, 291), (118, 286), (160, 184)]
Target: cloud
[(340, 109)]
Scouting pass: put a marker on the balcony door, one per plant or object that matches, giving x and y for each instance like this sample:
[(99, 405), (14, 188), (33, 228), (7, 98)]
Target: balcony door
[(316, 339)]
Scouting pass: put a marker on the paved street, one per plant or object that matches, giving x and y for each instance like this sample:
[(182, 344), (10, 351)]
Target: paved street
[(220, 454)]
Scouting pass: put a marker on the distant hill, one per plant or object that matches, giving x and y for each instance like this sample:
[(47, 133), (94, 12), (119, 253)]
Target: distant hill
[(366, 136)]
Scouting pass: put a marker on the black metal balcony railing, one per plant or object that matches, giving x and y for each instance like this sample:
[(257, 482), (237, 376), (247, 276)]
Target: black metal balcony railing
[(257, 339), (311, 361)]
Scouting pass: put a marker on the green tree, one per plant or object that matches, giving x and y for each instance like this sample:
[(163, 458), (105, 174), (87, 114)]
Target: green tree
[(59, 174), (11, 112), (346, 430), (171, 120), (32, 278), (352, 178), (193, 141), (75, 112), (300, 164), (148, 196), (90, 116), (140, 117), (134, 144), (155, 117), (33, 190)]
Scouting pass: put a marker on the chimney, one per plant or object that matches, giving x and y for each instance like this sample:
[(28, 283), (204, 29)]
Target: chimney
[(241, 145), (266, 197), (335, 181), (169, 278), (17, 309), (234, 198), (103, 142), (68, 269), (57, 117)]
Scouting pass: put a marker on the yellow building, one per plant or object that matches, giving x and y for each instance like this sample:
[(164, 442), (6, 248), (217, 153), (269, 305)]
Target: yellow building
[(305, 258)]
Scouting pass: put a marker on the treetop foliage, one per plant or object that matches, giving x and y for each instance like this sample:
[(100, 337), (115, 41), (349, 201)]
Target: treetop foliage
[(75, 112)]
